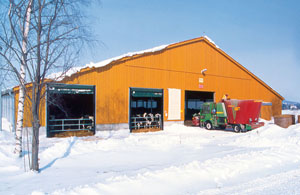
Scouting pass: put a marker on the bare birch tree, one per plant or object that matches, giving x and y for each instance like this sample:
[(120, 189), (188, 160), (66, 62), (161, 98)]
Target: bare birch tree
[(24, 30), (39, 37)]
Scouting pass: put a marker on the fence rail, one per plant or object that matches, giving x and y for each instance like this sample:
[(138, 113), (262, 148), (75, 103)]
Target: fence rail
[(146, 122), (62, 125)]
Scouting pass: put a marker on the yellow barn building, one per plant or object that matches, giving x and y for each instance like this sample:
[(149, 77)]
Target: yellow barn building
[(169, 83)]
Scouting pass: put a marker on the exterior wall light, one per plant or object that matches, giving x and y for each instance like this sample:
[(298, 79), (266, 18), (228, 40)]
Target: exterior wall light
[(203, 71)]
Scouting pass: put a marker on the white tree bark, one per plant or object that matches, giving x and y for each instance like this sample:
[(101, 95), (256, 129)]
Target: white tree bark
[(19, 126)]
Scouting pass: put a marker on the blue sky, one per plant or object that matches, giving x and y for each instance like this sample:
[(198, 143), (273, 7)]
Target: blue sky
[(262, 35)]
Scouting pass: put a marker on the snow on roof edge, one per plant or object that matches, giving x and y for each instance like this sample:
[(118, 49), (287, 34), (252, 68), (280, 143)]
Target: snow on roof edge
[(59, 76), (210, 40), (108, 61)]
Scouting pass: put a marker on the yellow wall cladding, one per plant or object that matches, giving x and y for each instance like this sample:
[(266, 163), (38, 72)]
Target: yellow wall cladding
[(27, 120), (178, 66)]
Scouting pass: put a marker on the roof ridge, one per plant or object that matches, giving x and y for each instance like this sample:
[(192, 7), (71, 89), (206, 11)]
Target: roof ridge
[(131, 55)]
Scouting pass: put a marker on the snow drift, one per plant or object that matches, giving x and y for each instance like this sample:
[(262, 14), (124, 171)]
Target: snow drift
[(178, 160)]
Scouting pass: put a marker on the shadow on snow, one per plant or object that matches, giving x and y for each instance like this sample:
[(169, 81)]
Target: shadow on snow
[(66, 154)]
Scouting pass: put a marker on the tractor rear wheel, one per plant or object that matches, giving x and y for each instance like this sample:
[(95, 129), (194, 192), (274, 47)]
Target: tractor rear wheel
[(208, 125), (236, 128), (243, 128)]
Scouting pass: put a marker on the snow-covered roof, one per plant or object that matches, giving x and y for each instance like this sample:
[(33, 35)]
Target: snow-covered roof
[(59, 76), (209, 39)]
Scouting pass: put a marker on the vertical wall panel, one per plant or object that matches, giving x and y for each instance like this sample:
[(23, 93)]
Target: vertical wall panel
[(179, 67), (8, 106)]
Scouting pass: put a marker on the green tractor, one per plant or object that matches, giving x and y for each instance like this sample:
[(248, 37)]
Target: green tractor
[(213, 115), (241, 115)]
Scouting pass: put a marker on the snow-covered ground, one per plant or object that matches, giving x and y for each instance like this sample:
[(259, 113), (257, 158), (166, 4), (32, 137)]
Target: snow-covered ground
[(178, 160)]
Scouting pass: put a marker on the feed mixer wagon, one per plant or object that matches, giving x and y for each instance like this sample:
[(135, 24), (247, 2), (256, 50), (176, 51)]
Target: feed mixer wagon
[(242, 115)]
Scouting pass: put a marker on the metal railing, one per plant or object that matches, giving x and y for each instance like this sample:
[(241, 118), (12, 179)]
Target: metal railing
[(60, 125), (146, 122)]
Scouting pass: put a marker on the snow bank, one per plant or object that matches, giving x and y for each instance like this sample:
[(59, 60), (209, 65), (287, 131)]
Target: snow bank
[(6, 125), (8, 163), (227, 168), (178, 160)]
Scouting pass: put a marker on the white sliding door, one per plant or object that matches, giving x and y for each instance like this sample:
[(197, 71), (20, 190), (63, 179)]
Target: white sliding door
[(174, 104)]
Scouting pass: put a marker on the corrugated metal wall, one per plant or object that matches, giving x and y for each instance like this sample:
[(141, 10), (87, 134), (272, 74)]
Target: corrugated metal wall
[(178, 66), (8, 106), (27, 108)]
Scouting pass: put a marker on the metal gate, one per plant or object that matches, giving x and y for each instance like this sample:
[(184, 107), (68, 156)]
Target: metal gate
[(70, 108), (146, 108)]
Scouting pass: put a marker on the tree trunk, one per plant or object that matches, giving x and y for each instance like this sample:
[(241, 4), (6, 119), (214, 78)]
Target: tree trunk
[(19, 127), (35, 126), (35, 144), (36, 90)]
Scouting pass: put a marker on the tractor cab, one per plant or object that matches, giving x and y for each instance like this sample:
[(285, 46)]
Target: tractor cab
[(213, 115)]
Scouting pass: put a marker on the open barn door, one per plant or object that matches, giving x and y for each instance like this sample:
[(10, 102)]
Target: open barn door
[(70, 110), (193, 103), (146, 109)]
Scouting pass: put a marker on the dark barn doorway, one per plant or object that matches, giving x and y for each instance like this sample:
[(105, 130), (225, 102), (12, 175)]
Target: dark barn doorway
[(146, 109), (70, 110), (193, 103)]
